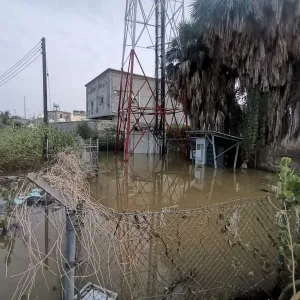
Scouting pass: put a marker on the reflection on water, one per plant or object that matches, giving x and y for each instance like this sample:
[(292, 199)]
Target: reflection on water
[(14, 261), (145, 183), (151, 183)]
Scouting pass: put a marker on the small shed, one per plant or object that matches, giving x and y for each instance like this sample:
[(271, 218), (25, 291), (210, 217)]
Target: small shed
[(214, 148)]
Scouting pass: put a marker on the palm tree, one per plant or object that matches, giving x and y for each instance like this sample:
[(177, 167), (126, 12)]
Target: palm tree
[(259, 40), (253, 42), (208, 86)]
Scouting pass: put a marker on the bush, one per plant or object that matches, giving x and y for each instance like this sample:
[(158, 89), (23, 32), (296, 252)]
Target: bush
[(60, 140), (25, 147), (85, 132)]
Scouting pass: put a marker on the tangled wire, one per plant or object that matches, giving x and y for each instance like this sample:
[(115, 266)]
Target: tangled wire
[(99, 231)]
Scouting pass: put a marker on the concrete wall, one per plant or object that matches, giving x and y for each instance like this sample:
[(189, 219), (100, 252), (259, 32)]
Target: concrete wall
[(147, 144), (98, 97), (57, 114), (98, 125)]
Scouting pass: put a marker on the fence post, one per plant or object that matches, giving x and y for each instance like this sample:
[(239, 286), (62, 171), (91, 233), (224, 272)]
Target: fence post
[(106, 141), (70, 255), (47, 149), (79, 215)]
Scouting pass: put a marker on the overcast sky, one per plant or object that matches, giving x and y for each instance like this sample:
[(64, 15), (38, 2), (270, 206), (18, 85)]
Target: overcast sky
[(83, 38)]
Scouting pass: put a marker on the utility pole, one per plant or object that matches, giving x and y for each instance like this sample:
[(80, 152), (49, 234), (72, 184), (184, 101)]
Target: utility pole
[(44, 60), (25, 108)]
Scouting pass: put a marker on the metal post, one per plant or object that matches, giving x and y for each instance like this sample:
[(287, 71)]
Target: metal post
[(128, 131), (106, 141), (46, 233), (163, 76), (25, 108), (165, 113), (47, 149), (156, 65), (214, 151), (119, 109), (44, 60), (70, 255), (236, 154), (80, 224)]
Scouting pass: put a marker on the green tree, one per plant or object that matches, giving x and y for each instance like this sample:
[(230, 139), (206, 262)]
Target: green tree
[(237, 47), (5, 118), (85, 132), (207, 86)]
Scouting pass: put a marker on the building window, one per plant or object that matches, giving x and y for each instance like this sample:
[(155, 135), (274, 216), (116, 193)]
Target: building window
[(91, 89), (101, 83), (61, 116), (100, 100)]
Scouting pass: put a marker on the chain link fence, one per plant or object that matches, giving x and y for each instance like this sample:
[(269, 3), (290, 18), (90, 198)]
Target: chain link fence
[(215, 252)]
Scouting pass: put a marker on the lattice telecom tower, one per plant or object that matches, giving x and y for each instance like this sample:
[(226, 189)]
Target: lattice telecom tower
[(148, 116)]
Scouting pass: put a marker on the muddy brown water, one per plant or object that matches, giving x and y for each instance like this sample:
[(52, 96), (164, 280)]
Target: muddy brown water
[(145, 183), (150, 183)]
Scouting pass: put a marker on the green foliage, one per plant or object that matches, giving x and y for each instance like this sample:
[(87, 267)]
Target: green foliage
[(255, 118), (85, 132), (107, 140), (289, 184), (25, 147), (7, 193), (288, 192), (59, 140), (251, 123), (6, 119)]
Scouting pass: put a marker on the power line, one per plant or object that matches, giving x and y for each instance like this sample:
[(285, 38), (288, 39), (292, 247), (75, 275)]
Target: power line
[(12, 72), (14, 75), (25, 57), (17, 71)]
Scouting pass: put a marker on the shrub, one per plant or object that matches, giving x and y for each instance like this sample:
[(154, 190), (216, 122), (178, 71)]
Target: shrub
[(85, 132), (25, 147)]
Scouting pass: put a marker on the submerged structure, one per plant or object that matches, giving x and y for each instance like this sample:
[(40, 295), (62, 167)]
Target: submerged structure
[(214, 148)]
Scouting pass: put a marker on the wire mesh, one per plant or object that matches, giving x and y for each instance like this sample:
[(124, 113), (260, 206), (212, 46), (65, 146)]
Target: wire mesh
[(218, 251), (214, 252)]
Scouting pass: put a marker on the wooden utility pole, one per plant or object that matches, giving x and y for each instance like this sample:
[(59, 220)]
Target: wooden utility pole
[(44, 60)]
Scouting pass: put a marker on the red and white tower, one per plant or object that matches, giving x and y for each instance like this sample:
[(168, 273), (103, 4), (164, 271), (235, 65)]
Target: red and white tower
[(148, 115)]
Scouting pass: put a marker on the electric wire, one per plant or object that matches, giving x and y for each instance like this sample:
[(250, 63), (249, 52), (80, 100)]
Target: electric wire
[(19, 71), (33, 55), (25, 57)]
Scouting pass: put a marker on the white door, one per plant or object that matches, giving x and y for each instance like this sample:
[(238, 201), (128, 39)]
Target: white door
[(199, 156)]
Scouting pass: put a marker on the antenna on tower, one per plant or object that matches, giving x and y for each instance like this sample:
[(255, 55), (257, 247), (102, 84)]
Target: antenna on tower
[(156, 118)]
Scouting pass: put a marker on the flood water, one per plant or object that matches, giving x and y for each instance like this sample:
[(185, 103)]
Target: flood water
[(150, 183), (146, 183)]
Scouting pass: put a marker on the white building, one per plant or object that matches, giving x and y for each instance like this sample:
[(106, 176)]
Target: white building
[(103, 92)]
